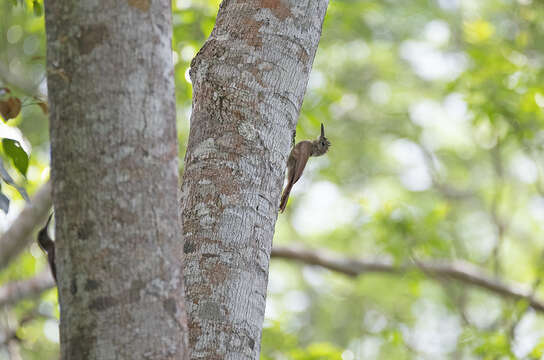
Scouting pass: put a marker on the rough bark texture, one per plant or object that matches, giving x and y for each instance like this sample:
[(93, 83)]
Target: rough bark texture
[(115, 184), (249, 81)]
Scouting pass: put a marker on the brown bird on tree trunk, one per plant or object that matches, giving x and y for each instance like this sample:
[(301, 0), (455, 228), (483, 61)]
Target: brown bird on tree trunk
[(48, 245), (298, 159)]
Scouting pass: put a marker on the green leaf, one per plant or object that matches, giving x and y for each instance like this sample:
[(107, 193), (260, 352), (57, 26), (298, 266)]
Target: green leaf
[(13, 149), (37, 8)]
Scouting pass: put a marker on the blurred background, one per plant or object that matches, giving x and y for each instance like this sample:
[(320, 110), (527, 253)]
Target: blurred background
[(435, 111)]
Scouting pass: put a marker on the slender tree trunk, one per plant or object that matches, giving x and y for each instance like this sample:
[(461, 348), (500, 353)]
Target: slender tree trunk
[(249, 81), (115, 184)]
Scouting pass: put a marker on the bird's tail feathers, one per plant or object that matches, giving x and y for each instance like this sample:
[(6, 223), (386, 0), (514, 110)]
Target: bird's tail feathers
[(285, 197)]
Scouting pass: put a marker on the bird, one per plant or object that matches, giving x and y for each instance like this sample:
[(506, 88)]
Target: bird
[(297, 160)]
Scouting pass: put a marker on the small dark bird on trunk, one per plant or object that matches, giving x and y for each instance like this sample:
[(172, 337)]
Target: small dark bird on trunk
[(298, 159), (48, 245)]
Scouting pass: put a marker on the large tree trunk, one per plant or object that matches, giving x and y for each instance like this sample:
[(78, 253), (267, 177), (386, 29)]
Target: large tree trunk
[(249, 80), (115, 184)]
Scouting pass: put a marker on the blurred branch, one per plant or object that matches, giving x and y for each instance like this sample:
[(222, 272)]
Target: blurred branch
[(14, 240), (458, 270), (14, 351), (516, 321), (10, 332), (15, 291), (9, 337), (24, 84)]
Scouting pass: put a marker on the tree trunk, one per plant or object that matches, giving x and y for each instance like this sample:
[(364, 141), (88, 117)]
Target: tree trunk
[(115, 184), (249, 81)]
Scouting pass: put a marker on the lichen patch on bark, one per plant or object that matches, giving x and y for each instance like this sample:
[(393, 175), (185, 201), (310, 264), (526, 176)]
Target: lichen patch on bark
[(252, 26), (91, 285), (142, 5), (129, 296), (86, 230), (79, 346), (211, 310), (91, 37), (170, 306), (102, 303), (216, 272), (278, 8)]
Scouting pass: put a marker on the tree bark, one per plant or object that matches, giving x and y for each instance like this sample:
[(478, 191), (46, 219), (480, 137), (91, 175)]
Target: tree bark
[(249, 81), (115, 183)]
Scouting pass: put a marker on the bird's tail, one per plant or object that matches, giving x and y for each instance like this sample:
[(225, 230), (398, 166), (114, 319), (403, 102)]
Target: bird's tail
[(285, 196)]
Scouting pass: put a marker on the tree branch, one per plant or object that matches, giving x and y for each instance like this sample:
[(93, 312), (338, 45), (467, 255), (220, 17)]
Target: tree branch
[(18, 290), (458, 270), (18, 236)]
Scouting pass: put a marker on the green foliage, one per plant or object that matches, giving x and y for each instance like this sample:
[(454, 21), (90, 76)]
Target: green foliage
[(319, 351), (15, 152), (494, 345), (538, 351), (37, 6), (279, 344)]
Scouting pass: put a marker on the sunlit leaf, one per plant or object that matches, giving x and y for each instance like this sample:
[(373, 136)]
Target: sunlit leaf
[(478, 31), (317, 351), (538, 350)]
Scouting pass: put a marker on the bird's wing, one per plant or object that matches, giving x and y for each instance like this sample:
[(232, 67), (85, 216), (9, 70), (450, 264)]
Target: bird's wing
[(304, 149)]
